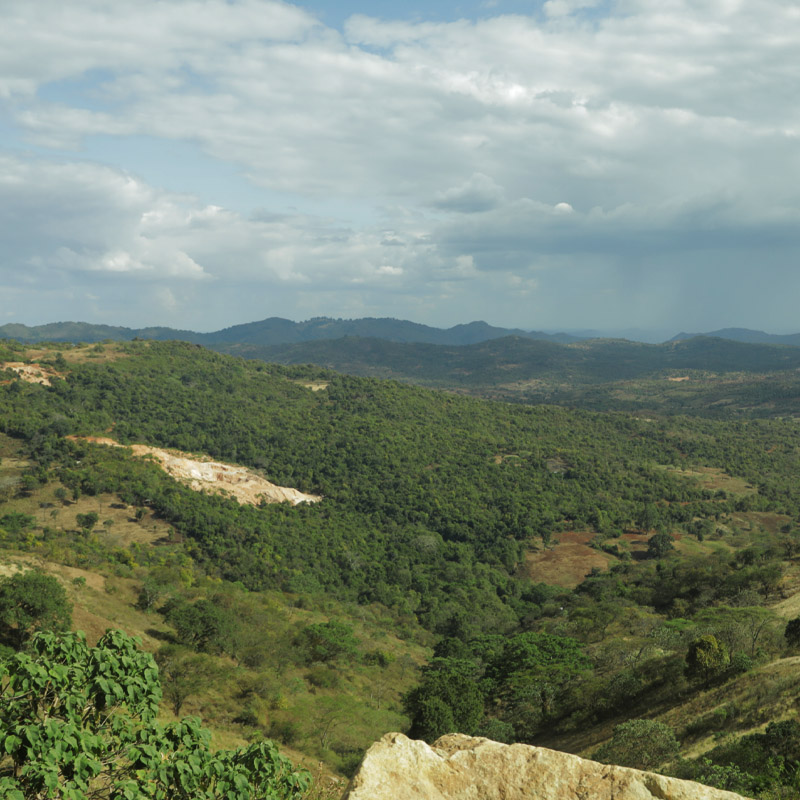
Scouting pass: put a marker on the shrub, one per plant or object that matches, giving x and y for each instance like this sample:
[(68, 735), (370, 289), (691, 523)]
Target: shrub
[(327, 641), (29, 602), (80, 722), (641, 744)]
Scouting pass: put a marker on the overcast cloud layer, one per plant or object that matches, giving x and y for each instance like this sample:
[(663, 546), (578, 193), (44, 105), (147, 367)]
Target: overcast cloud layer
[(199, 163)]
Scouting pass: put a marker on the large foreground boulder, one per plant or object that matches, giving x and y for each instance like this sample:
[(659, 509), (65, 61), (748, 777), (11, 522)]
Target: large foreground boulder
[(460, 767)]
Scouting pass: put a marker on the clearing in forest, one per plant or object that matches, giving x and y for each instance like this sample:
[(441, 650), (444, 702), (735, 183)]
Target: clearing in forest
[(713, 479), (31, 373), (315, 386), (202, 474), (567, 563)]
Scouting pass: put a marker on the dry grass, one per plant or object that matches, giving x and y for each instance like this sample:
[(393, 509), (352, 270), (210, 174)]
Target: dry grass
[(712, 478), (566, 563), (116, 526)]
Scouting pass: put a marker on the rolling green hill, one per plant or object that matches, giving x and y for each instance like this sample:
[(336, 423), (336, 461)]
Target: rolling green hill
[(504, 361), (709, 377), (747, 335), (565, 565)]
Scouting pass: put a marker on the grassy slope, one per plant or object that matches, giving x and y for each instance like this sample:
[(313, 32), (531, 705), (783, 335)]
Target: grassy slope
[(109, 594), (104, 596)]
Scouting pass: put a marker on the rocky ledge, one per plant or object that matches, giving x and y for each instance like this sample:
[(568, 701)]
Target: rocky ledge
[(460, 767)]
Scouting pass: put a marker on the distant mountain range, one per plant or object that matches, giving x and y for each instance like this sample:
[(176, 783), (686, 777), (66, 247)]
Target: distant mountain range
[(473, 356), (746, 335), (277, 331), (734, 371)]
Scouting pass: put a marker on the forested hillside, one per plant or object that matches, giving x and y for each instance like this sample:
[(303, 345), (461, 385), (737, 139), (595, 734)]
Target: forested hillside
[(504, 361), (275, 331), (453, 514), (430, 499), (703, 376)]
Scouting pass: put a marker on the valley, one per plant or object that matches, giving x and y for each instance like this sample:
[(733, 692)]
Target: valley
[(523, 572)]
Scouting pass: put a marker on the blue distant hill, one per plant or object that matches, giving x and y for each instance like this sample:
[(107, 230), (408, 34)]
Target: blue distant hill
[(747, 336), (278, 331)]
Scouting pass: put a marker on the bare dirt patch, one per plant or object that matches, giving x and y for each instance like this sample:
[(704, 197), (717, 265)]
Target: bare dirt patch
[(78, 354), (202, 474), (315, 386), (678, 380), (32, 373), (499, 458), (567, 563)]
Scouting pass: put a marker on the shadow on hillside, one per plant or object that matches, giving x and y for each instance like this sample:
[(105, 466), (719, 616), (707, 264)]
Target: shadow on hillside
[(162, 636)]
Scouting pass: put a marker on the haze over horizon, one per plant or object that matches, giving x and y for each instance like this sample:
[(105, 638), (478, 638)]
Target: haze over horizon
[(561, 165)]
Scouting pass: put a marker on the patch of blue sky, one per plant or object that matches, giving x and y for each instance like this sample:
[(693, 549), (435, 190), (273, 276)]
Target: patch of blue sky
[(195, 81), (183, 168), (83, 91), (10, 134), (334, 13)]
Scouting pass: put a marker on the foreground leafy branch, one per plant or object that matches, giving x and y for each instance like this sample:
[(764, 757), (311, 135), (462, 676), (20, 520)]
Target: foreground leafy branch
[(79, 723)]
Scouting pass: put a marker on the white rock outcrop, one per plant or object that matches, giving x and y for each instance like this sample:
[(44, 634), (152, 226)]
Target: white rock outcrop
[(204, 475), (460, 767)]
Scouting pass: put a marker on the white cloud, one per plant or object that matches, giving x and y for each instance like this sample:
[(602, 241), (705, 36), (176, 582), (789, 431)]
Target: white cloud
[(562, 8), (442, 152), (640, 98), (479, 193), (80, 224)]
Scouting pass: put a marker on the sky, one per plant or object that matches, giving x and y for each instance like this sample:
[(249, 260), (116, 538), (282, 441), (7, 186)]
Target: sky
[(548, 165)]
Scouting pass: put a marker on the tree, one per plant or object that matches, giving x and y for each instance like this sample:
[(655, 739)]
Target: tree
[(327, 641), (447, 701), (659, 544), (79, 722), (792, 632), (182, 673), (87, 521), (29, 602), (707, 658), (648, 517), (740, 629), (148, 595), (641, 744), (199, 625), (330, 714)]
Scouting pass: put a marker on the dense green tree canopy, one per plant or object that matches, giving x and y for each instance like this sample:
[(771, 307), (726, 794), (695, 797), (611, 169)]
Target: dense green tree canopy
[(31, 601), (327, 641), (707, 657)]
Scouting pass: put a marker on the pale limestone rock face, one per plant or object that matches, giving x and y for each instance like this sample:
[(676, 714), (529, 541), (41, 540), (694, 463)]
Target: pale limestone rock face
[(460, 767)]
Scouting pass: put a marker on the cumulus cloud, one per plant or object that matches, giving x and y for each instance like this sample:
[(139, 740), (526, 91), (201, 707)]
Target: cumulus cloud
[(411, 160), (80, 226), (561, 8), (478, 193), (81, 217)]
